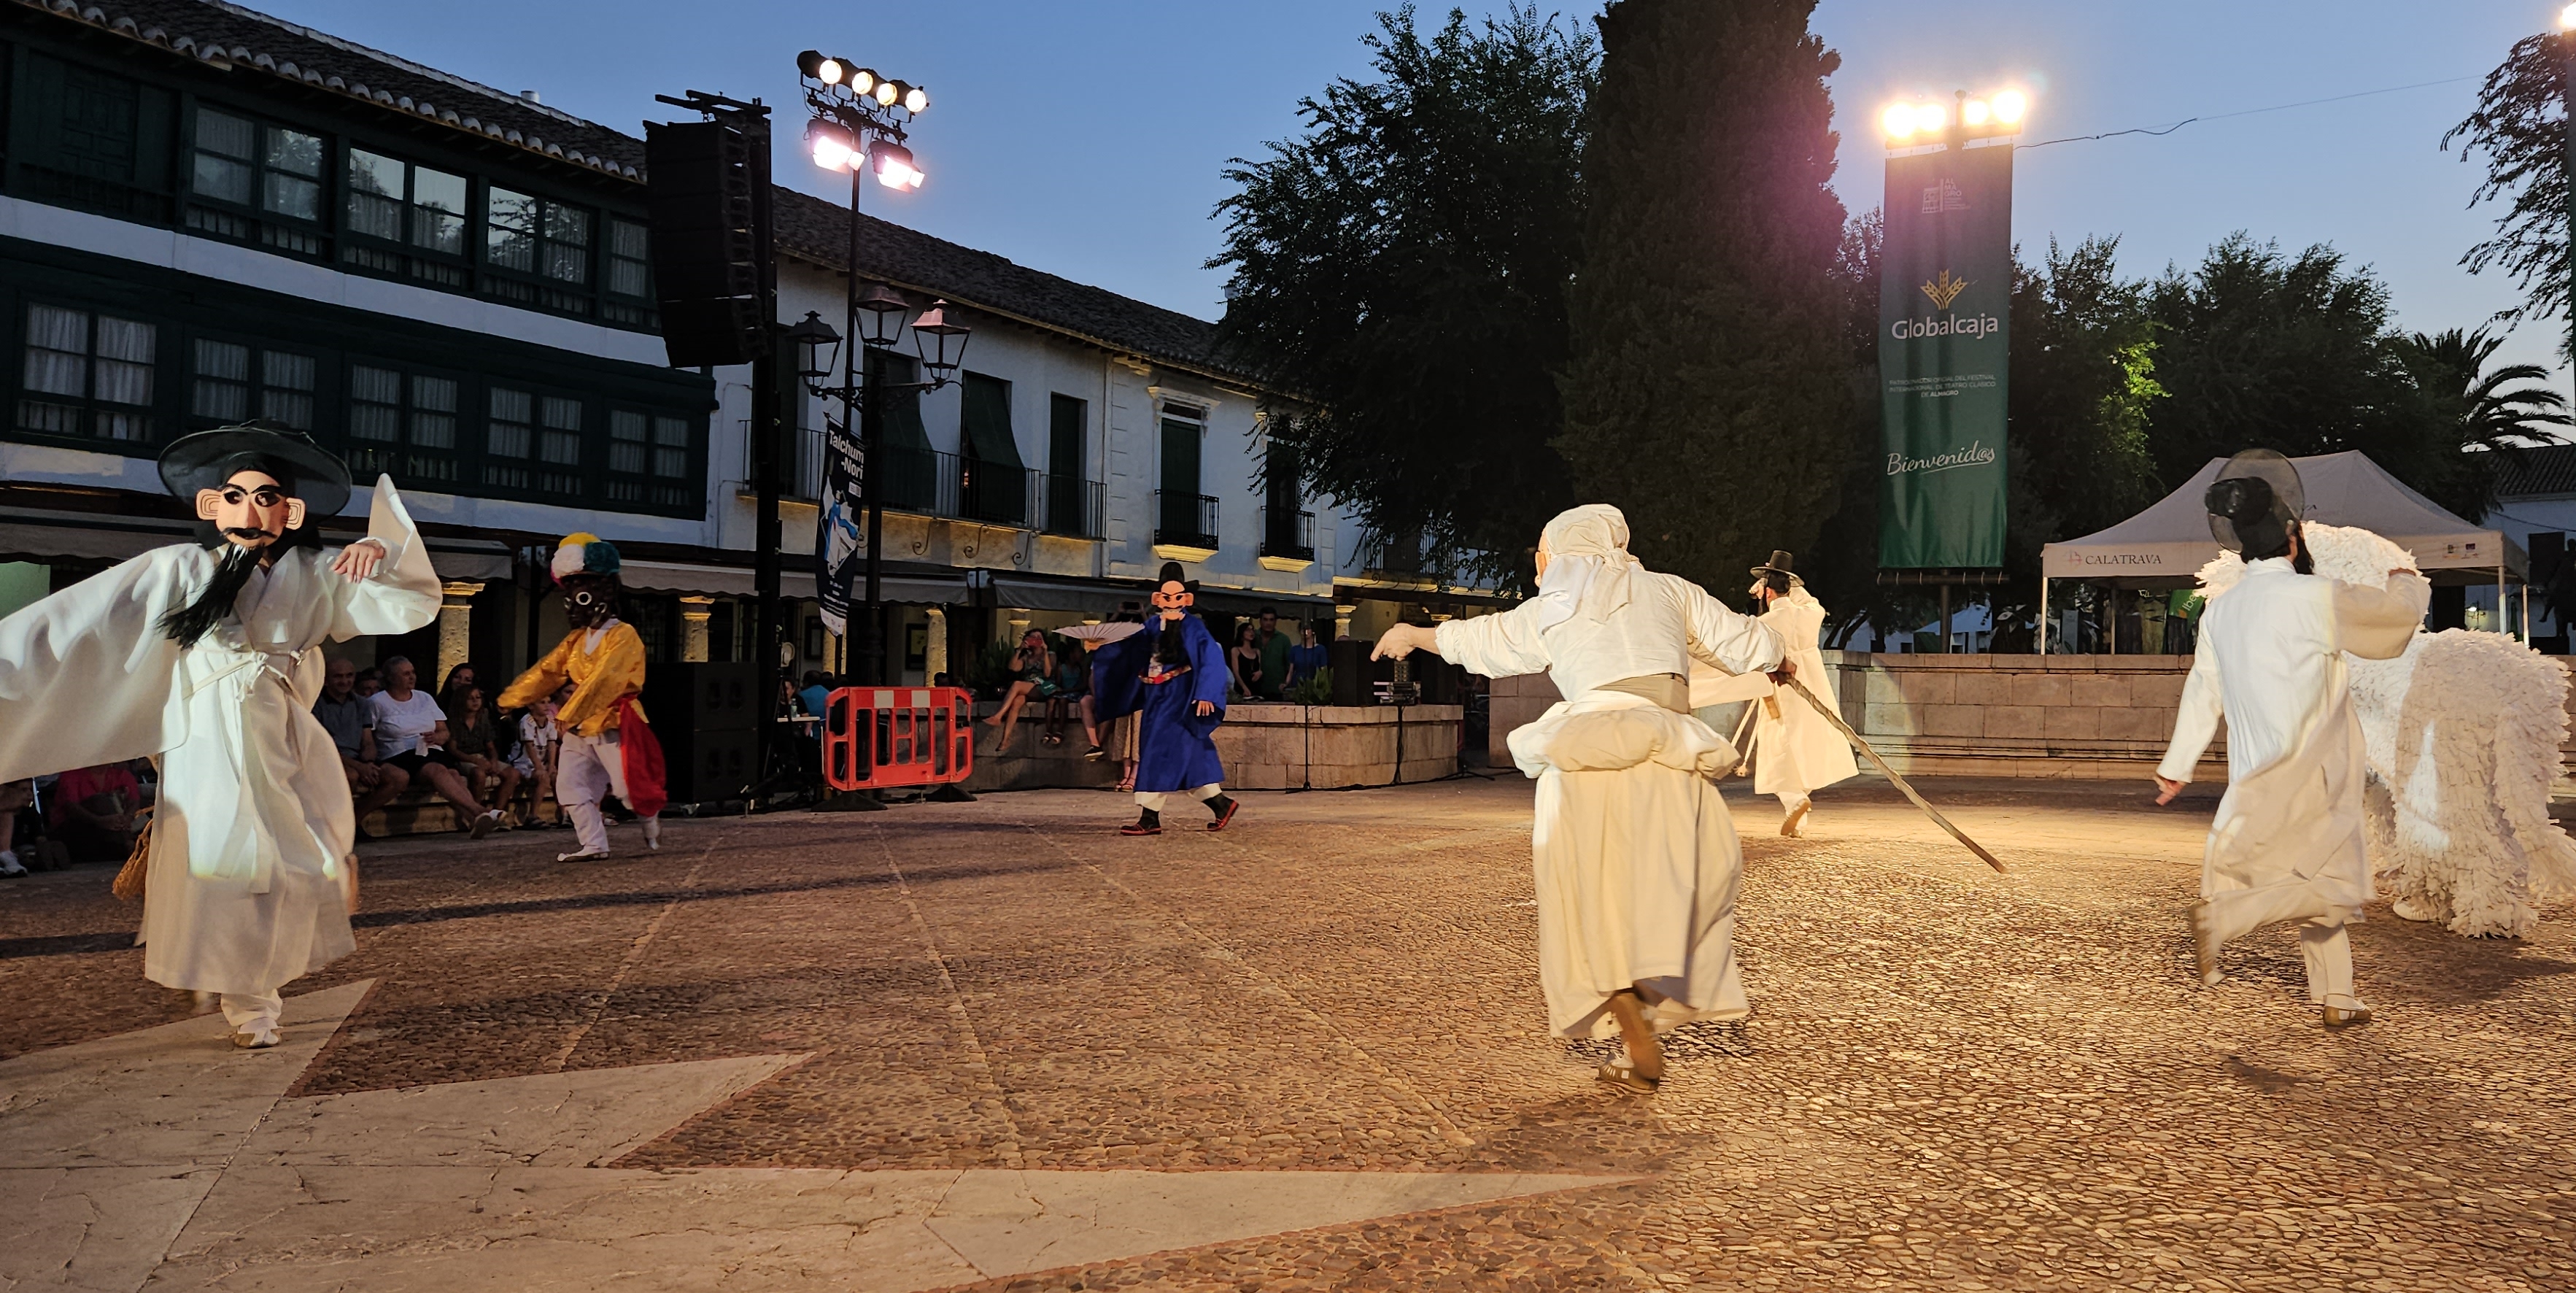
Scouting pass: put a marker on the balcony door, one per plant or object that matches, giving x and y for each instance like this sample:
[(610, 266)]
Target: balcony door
[(1179, 519)]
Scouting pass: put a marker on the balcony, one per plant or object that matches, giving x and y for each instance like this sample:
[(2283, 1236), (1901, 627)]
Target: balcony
[(950, 486), (1185, 523), (1075, 508), (1287, 539)]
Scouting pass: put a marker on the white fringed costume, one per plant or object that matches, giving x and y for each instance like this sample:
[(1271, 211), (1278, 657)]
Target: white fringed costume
[(2461, 736), (1633, 850)]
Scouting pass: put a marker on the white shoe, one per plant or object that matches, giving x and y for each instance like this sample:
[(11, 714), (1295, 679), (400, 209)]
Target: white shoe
[(601, 855), (10, 869), (258, 1040), (2345, 1012), (487, 823), (2405, 909), (652, 834)]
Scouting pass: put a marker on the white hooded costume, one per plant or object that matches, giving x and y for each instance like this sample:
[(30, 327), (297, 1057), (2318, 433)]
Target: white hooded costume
[(2288, 841), (1633, 850), (245, 889), (1794, 749)]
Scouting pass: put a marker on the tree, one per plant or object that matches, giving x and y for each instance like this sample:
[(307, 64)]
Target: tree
[(2520, 126), (1710, 393), (2261, 350), (1401, 267), (2463, 405)]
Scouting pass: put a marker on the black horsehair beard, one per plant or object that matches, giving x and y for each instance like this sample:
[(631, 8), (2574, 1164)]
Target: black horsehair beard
[(188, 623)]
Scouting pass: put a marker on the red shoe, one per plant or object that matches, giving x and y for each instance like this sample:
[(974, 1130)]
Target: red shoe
[(1147, 823), (1225, 815)]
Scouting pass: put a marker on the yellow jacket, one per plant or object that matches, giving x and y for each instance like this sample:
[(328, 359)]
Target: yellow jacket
[(600, 676)]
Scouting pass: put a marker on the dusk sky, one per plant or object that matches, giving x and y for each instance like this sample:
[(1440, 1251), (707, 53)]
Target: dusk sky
[(1086, 139)]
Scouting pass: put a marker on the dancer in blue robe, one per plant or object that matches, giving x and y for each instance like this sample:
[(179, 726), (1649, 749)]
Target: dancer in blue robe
[(1173, 676)]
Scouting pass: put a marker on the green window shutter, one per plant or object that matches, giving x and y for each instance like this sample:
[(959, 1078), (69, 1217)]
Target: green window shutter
[(911, 481), (987, 436), (1181, 458), (1064, 437)]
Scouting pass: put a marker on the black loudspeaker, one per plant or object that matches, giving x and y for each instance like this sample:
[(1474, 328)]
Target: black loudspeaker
[(705, 186), (683, 698), (708, 767)]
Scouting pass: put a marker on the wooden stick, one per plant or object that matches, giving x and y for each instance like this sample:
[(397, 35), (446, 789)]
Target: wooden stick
[(1881, 764)]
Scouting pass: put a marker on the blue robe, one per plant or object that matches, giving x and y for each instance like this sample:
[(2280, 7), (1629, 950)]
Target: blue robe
[(1175, 747)]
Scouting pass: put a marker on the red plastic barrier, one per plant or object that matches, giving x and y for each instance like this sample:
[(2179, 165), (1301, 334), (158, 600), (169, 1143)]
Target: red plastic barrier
[(877, 738)]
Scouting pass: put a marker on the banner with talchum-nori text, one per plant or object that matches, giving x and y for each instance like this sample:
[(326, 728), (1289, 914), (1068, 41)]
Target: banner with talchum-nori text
[(838, 542), (1944, 296)]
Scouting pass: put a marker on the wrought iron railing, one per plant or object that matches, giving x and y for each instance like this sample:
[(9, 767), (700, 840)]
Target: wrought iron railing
[(1074, 507), (1184, 520), (926, 482), (1287, 534)]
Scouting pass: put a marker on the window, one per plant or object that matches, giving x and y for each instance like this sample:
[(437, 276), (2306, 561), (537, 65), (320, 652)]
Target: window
[(263, 169), (402, 423), (992, 486), (559, 447), (509, 437), (650, 446), (395, 203), (228, 387), (544, 240), (91, 139), (87, 374), (1183, 516), (630, 274), (1069, 506)]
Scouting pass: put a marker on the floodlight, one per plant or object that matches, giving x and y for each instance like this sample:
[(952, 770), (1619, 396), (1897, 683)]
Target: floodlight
[(1898, 120), (1974, 112), (2011, 104), (830, 144)]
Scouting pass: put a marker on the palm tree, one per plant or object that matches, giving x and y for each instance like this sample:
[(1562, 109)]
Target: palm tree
[(2479, 411)]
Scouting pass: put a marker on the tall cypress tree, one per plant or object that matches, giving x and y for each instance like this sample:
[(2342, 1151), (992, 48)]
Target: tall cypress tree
[(1710, 396)]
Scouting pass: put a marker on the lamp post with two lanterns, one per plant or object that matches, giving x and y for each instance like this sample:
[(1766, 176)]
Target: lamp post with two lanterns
[(859, 125)]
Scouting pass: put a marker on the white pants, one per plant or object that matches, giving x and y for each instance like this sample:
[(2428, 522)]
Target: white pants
[(1790, 799), (1155, 799), (589, 767), (252, 1012), (2235, 913)]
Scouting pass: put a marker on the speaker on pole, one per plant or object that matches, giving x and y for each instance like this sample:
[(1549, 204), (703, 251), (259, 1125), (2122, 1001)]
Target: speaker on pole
[(704, 190)]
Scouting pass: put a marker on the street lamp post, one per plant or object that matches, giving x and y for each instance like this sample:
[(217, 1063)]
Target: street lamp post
[(2567, 64), (859, 125)]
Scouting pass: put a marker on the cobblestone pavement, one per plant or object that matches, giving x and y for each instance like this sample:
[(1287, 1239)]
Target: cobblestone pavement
[(1952, 1079)]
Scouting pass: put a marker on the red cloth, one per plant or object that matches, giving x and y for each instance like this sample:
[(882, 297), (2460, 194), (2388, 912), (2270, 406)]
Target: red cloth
[(105, 779), (647, 785)]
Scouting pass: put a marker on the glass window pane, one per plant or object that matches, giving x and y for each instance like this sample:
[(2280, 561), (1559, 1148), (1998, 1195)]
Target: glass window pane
[(436, 394), (224, 133), (438, 190), (222, 389), (376, 174), (294, 152), (283, 369), (567, 225), (512, 406), (567, 264), (433, 430), (57, 351), (561, 447), (629, 239), (124, 372), (221, 178), (375, 385), (625, 457), (287, 407), (629, 277), (671, 432), (375, 195), (671, 463), (223, 360), (511, 232), (624, 425), (438, 222), (563, 414), (507, 435), (288, 196), (124, 426), (124, 339)]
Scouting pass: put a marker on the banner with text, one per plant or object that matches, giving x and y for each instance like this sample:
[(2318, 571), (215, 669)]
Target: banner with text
[(837, 537), (1943, 298)]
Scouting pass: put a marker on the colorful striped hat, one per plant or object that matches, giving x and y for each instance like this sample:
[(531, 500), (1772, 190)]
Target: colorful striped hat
[(585, 554)]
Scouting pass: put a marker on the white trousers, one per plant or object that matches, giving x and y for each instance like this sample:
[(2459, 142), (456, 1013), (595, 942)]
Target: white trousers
[(251, 1012), (1790, 799), (1155, 799), (589, 767), (2324, 945)]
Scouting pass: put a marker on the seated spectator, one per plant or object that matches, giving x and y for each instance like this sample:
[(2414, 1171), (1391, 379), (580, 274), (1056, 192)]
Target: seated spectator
[(535, 760), (411, 733), (1032, 667), (1072, 695), (370, 681), (93, 811), (1308, 658), (344, 714), (15, 796), (451, 693), (480, 752)]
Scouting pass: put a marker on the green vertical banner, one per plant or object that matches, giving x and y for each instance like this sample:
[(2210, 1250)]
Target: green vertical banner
[(1944, 296)]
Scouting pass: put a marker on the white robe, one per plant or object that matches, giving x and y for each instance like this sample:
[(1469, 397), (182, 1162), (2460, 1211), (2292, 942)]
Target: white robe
[(2270, 658), (1794, 749), (244, 890), (1633, 851)]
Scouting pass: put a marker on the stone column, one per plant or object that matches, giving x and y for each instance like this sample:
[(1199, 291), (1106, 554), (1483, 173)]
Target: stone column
[(695, 611), (934, 659), (455, 628), (1342, 620)]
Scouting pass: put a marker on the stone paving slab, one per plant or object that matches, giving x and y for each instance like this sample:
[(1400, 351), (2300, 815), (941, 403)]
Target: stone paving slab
[(1952, 1079)]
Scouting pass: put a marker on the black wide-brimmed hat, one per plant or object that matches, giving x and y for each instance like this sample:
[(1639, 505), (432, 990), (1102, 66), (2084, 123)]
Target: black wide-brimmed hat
[(1777, 565), (207, 459), (2254, 502)]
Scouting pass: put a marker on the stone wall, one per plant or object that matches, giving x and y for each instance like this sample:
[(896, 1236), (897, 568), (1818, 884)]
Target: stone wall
[(1977, 715), (1263, 747)]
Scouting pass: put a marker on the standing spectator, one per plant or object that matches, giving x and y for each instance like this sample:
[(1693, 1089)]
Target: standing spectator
[(93, 812), (15, 796), (536, 757), (1245, 661), (345, 715), (370, 681), (1275, 647), (1031, 669), (475, 739), (1306, 659), (411, 733)]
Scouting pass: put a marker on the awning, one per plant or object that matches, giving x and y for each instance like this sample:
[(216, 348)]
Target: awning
[(795, 581), (85, 539), (1083, 595)]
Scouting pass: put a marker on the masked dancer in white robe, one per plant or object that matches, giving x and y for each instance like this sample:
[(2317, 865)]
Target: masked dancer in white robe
[(1635, 856), (1795, 751), (2287, 844), (208, 656)]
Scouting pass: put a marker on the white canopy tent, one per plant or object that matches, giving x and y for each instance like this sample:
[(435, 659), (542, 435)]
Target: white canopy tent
[(2168, 543)]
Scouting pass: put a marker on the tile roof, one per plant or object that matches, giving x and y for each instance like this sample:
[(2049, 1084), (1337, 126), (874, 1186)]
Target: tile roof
[(2545, 470), (231, 37), (809, 228), (818, 233)]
